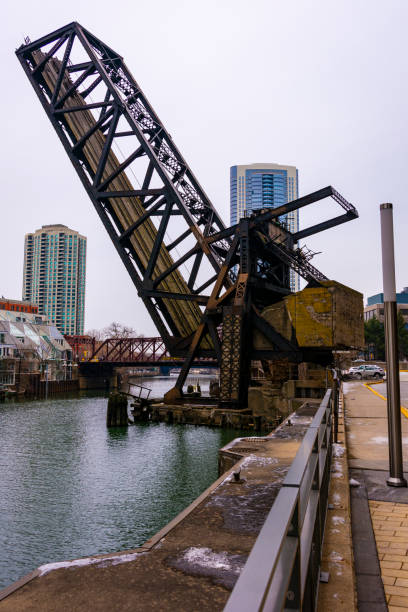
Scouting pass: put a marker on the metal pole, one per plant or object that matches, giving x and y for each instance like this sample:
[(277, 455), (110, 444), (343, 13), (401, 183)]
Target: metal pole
[(46, 380), (396, 477)]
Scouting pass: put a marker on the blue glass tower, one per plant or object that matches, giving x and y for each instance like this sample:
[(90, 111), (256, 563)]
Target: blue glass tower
[(257, 186)]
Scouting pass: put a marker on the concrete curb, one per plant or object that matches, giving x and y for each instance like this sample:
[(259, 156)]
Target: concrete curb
[(14, 586), (339, 538)]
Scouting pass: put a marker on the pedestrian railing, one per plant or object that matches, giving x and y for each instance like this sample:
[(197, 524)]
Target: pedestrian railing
[(283, 568)]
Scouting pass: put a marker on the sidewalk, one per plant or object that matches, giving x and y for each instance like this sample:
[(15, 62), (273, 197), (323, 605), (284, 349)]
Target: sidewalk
[(379, 513)]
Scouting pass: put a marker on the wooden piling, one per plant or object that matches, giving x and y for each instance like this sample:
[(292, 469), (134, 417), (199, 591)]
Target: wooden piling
[(117, 414)]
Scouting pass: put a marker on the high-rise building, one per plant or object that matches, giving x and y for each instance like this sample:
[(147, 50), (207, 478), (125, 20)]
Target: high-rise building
[(54, 276), (265, 186)]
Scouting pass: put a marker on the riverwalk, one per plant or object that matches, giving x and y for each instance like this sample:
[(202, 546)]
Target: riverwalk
[(379, 513), (193, 563)]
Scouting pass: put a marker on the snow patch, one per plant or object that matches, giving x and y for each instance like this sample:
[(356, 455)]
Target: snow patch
[(380, 440), (102, 561), (337, 559), (384, 440), (338, 450), (207, 558), (259, 460), (336, 498), (354, 483), (300, 420), (338, 520), (337, 469)]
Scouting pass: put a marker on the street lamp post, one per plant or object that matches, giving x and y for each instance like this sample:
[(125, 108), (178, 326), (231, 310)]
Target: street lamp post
[(396, 477)]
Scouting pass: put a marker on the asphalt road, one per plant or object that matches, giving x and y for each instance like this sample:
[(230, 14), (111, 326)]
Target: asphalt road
[(382, 388)]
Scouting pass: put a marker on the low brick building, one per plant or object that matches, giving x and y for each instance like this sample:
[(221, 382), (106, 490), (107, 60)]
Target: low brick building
[(30, 347)]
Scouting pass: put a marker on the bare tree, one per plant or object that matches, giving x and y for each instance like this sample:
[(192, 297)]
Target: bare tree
[(114, 330), (117, 330), (98, 334)]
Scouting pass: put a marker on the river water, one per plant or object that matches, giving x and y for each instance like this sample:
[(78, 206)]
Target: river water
[(70, 488)]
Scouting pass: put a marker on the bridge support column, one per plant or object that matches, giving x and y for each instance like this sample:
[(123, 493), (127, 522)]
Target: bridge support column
[(97, 376), (117, 415)]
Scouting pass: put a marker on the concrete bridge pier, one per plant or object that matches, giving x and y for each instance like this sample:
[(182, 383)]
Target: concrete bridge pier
[(97, 376)]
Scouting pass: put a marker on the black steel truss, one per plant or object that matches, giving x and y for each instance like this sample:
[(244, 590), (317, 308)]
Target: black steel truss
[(94, 103), (177, 193)]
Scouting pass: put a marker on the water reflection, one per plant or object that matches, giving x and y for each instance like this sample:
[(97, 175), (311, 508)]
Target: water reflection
[(116, 433)]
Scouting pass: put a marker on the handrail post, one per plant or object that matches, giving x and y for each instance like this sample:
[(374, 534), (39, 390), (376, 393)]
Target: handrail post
[(335, 405)]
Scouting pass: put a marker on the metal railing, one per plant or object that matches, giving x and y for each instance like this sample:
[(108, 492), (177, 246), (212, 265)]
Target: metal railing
[(138, 392), (283, 568)]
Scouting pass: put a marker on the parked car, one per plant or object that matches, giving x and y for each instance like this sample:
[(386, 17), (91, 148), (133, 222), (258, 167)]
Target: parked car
[(366, 371)]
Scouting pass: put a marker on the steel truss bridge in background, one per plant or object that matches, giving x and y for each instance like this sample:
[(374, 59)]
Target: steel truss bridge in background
[(131, 350), (204, 285)]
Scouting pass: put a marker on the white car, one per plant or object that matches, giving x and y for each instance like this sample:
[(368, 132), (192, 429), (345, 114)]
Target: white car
[(366, 371)]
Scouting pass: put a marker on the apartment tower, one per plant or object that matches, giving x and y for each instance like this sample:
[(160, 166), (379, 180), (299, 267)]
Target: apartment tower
[(54, 276), (265, 186)]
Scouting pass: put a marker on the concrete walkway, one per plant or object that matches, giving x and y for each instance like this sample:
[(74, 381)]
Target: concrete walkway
[(379, 513)]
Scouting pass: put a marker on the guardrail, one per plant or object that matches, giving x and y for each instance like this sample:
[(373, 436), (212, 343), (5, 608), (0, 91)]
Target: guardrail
[(283, 568)]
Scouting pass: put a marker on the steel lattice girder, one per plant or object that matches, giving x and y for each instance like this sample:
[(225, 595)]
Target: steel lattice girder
[(63, 88)]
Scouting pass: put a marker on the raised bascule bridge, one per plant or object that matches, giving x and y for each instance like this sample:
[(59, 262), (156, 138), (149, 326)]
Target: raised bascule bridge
[(213, 292), (221, 295)]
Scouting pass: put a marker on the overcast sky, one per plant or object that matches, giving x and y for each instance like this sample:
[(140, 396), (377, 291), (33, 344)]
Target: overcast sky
[(320, 84)]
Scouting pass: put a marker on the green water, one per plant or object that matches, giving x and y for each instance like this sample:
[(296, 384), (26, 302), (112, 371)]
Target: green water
[(71, 488)]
